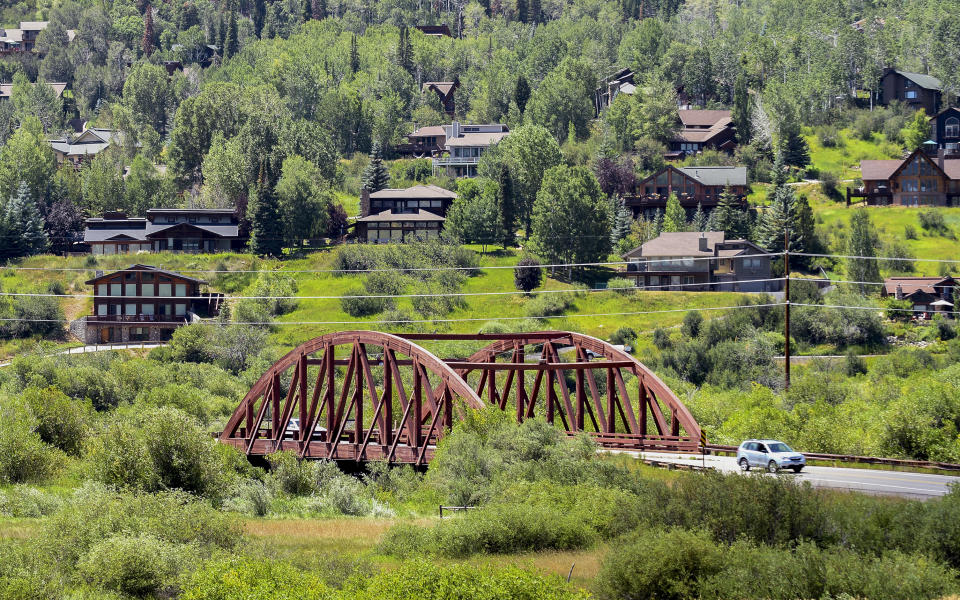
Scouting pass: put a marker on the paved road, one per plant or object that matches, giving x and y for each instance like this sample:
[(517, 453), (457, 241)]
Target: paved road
[(869, 481), (103, 348)]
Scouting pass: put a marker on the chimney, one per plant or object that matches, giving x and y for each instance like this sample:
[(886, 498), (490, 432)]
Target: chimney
[(364, 202), (940, 154), (455, 130), (703, 243), (899, 292)]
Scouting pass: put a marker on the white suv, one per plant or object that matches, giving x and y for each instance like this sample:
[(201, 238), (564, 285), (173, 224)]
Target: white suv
[(770, 454)]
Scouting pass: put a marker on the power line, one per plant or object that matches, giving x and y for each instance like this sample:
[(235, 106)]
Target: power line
[(403, 321), (433, 295), (889, 258)]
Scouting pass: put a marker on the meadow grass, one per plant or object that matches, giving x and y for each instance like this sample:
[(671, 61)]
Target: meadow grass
[(844, 159)]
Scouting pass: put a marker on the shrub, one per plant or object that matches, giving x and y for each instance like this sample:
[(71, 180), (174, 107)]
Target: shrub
[(692, 322), (903, 257), (250, 497), (192, 343), (426, 581), (909, 232), (623, 336), (829, 136), (88, 382), (22, 501), (61, 422), (34, 315), (661, 565), (931, 220), (227, 579), (829, 183), (158, 449), (528, 275), (661, 339), (24, 458), (291, 475), (622, 285), (946, 330), (853, 364), (360, 303), (134, 565), (548, 305), (864, 126)]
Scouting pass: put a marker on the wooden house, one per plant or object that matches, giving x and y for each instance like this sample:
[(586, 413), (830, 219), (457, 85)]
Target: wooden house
[(926, 294), (694, 186), (402, 215), (918, 180), (913, 89)]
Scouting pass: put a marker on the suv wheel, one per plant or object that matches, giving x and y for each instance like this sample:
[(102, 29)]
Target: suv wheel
[(772, 467), (797, 469), (744, 464)]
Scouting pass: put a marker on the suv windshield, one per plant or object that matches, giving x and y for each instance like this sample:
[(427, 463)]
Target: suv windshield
[(779, 447)]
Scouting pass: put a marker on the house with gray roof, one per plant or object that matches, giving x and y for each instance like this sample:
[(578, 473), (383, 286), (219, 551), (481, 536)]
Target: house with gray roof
[(916, 90), (693, 261), (464, 145), (693, 186), (402, 215), (24, 38), (190, 230), (83, 147)]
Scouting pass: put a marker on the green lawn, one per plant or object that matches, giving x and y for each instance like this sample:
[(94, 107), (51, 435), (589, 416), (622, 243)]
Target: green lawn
[(844, 160)]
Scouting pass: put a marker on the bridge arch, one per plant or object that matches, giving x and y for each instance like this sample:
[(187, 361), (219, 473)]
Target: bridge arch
[(367, 395)]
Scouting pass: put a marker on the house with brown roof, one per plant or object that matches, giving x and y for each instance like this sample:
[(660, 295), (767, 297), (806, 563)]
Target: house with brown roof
[(700, 262), (927, 294), (694, 186), (464, 145), (441, 30), (402, 215), (6, 89), (916, 90), (424, 141), (918, 180), (700, 130), (142, 303), (24, 38), (444, 91)]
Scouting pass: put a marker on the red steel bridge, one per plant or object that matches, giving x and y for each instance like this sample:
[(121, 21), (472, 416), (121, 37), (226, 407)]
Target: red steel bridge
[(365, 395)]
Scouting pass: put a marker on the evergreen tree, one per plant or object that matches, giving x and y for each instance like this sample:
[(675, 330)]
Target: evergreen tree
[(796, 152), (22, 226), (657, 223), (779, 217), (741, 110), (405, 50), (699, 219), (522, 11), (506, 205), (676, 217), (622, 219), (730, 216), (266, 227), (231, 44), (354, 55), (778, 174), (319, 9), (307, 10), (863, 242), (375, 177), (534, 12), (147, 42), (259, 15)]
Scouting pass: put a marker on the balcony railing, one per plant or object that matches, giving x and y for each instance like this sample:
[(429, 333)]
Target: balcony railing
[(124, 319), (456, 160)]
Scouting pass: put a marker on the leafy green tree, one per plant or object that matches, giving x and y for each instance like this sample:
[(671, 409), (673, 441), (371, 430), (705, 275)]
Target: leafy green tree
[(102, 184), (375, 177), (151, 95), (266, 226), (27, 158), (917, 131), (528, 152), (226, 172), (571, 218), (36, 100), (473, 216), (862, 244), (675, 217), (22, 226), (303, 200), (527, 275), (654, 114), (563, 98)]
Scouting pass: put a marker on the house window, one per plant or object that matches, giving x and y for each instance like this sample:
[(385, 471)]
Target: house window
[(181, 289), (115, 289), (928, 185), (102, 310), (146, 289), (654, 280), (214, 219), (165, 290), (952, 128), (148, 309), (687, 279), (130, 309), (102, 289), (181, 310), (910, 94), (171, 219), (910, 185), (130, 289), (191, 219)]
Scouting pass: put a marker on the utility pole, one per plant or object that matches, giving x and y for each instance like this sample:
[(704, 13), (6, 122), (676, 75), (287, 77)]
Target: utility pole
[(786, 308)]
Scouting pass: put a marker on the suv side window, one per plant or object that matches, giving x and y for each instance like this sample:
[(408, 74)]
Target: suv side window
[(750, 446), (761, 448)]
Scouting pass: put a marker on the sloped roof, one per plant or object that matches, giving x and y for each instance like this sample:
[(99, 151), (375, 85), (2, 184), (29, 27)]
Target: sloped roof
[(875, 170), (389, 216), (150, 268), (680, 243), (444, 87), (702, 118), (429, 131), (191, 211), (928, 82), (120, 232), (6, 89), (909, 285), (952, 168), (417, 191), (717, 175), (478, 139), (34, 25), (225, 231)]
